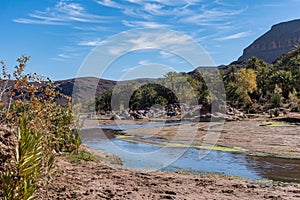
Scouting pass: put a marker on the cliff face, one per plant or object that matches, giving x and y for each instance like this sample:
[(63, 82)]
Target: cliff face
[(278, 41)]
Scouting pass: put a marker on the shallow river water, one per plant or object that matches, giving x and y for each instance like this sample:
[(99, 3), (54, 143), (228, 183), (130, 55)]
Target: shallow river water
[(153, 157)]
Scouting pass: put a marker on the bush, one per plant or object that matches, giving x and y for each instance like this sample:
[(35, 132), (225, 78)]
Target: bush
[(44, 128), (21, 178)]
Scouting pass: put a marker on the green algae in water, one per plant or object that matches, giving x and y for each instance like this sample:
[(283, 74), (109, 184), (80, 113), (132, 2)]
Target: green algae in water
[(276, 124)]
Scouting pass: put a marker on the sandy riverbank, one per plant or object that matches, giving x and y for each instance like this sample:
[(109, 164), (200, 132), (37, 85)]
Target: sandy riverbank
[(101, 180)]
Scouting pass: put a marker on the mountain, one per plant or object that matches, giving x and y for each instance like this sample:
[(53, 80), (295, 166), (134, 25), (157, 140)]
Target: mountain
[(85, 86), (88, 87), (83, 89), (278, 41)]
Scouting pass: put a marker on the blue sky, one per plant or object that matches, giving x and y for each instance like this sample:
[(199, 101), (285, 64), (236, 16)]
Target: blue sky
[(60, 34)]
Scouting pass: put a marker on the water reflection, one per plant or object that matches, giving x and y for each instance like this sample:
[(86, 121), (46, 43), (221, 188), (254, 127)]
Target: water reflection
[(278, 169)]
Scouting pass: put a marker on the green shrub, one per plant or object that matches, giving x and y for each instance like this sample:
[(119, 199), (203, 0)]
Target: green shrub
[(44, 128), (82, 156), (21, 178)]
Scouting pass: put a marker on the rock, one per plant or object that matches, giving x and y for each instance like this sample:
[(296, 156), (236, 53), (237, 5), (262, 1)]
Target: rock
[(205, 109), (278, 41), (115, 117), (137, 115)]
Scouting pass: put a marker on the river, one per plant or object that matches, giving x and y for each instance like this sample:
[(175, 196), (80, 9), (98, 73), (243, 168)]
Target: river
[(154, 157)]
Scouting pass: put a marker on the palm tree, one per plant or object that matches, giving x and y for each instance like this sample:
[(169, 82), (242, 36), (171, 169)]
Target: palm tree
[(295, 52), (231, 74)]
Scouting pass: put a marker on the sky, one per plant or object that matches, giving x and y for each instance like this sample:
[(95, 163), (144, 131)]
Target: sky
[(141, 38)]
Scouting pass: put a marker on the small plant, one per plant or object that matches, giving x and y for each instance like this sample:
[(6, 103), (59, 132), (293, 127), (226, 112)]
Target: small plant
[(82, 156), (21, 178), (276, 112), (271, 113), (170, 134)]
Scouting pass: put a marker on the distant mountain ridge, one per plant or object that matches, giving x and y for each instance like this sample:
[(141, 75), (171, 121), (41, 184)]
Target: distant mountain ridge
[(89, 84), (276, 42)]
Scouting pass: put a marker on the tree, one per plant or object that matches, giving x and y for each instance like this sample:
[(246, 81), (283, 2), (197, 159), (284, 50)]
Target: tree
[(230, 74), (103, 102), (239, 91)]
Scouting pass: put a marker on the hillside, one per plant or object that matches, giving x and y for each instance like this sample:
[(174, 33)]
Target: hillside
[(85, 86), (278, 41)]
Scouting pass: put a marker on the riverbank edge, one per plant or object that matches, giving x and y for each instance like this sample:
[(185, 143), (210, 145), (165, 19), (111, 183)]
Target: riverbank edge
[(103, 157), (223, 148)]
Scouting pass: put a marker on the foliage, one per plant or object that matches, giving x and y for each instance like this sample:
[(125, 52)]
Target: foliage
[(151, 94), (276, 97), (82, 156), (103, 102), (249, 85), (243, 84), (268, 84), (294, 101), (45, 128), (21, 179), (172, 89)]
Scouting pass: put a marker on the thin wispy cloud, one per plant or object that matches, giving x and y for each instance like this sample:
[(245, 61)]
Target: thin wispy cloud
[(207, 16), (148, 13), (145, 39), (39, 14), (272, 5), (58, 59), (127, 69), (131, 12), (92, 43), (171, 2), (144, 24), (150, 9), (157, 40), (227, 26), (234, 36), (165, 54), (155, 9), (63, 55), (91, 28), (70, 49), (63, 13), (109, 3), (40, 22), (135, 1), (162, 2), (174, 59), (144, 62), (68, 53), (222, 3)]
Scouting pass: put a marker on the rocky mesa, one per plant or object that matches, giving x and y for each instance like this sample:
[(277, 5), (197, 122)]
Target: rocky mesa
[(278, 41)]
